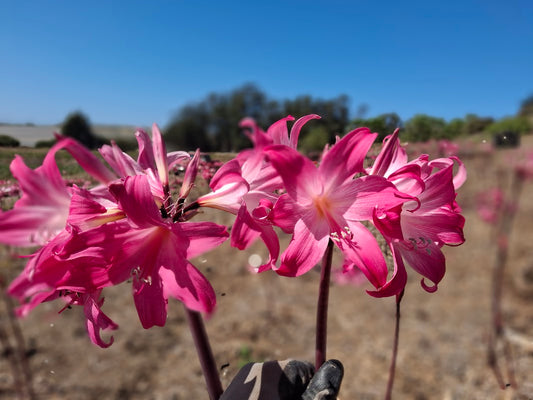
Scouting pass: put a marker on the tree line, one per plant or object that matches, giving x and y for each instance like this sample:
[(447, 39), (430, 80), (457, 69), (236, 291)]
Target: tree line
[(212, 124)]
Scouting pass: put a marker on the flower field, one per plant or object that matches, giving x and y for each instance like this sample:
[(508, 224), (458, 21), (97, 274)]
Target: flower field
[(444, 336)]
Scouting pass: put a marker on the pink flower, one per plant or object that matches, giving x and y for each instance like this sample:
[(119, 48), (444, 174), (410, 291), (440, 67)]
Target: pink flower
[(251, 203), (154, 251), (416, 230), (327, 203), (41, 212)]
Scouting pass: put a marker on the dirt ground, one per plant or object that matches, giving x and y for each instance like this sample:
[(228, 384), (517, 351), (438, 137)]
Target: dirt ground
[(443, 342)]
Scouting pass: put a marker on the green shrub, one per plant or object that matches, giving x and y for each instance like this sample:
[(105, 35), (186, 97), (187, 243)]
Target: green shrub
[(519, 125), (8, 141), (45, 143)]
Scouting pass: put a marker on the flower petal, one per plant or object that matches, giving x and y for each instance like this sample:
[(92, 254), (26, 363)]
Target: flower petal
[(346, 157), (299, 175), (304, 251), (149, 300), (97, 321), (185, 283)]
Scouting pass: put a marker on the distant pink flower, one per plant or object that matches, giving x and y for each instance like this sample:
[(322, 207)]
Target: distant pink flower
[(489, 204), (327, 203)]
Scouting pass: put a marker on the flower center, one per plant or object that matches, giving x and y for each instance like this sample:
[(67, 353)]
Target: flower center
[(322, 205)]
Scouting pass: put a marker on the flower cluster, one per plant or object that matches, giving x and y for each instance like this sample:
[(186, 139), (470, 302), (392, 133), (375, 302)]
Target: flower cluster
[(132, 226)]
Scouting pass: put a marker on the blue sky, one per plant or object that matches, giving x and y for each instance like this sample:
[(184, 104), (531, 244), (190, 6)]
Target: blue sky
[(136, 62)]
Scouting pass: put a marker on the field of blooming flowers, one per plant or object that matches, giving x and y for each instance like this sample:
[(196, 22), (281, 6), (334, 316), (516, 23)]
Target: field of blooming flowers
[(444, 335)]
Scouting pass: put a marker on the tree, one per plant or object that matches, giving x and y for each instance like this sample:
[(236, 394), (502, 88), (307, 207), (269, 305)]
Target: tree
[(526, 108), (476, 124), (454, 128), (188, 130), (383, 124), (76, 126), (518, 125), (213, 123), (8, 141), (421, 128)]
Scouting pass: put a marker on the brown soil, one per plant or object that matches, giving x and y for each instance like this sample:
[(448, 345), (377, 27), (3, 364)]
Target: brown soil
[(443, 342)]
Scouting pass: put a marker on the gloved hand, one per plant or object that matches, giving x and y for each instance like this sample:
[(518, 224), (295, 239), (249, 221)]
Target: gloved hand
[(286, 380)]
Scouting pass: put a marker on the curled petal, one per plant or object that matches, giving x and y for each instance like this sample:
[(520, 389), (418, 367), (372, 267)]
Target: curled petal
[(396, 284), (297, 127), (97, 321)]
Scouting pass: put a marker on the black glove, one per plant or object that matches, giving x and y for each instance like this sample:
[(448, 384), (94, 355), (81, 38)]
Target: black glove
[(286, 380)]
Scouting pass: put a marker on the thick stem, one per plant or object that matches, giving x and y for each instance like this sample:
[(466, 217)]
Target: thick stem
[(205, 354), (322, 307), (392, 369)]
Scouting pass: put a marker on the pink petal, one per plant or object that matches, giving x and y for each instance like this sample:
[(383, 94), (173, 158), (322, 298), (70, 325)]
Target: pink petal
[(136, 200), (441, 225), (304, 251), (285, 213), (296, 128), (149, 300), (190, 175), (364, 252), (388, 153), (87, 160), (278, 131), (300, 177), (244, 231), (188, 285), (119, 161), (346, 158), (397, 283), (97, 321), (160, 155), (202, 236), (427, 260), (146, 158), (358, 198)]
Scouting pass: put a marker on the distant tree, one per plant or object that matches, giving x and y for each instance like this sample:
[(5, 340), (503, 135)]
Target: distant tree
[(213, 123), (526, 107), (8, 141), (189, 129), (519, 125), (476, 124), (315, 140), (76, 126), (383, 124), (423, 127), (454, 128)]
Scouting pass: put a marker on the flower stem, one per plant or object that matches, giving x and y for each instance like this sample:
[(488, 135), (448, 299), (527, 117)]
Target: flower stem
[(205, 354), (392, 369), (322, 307)]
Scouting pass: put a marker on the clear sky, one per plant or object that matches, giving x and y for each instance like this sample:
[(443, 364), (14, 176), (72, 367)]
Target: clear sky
[(136, 62)]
